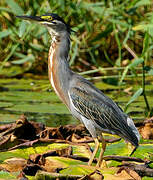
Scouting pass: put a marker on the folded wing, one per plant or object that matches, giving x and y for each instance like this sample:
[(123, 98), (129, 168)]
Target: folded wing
[(105, 114)]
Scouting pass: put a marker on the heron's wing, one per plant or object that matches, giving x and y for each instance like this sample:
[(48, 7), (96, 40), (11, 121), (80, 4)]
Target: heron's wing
[(97, 107)]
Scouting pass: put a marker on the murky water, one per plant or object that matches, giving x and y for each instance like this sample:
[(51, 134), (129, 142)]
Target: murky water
[(29, 97)]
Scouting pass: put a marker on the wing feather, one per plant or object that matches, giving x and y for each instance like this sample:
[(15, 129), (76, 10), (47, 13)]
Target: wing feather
[(104, 112)]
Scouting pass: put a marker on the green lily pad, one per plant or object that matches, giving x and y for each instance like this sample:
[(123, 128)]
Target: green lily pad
[(26, 96), (103, 86), (108, 173), (35, 149), (7, 175), (5, 104), (7, 118), (78, 169), (40, 107), (12, 71), (147, 178)]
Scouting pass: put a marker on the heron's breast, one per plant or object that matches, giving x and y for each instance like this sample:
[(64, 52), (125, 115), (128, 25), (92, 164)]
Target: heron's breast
[(53, 72)]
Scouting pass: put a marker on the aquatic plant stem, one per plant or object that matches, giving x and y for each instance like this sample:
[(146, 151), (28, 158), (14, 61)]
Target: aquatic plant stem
[(143, 86), (143, 75)]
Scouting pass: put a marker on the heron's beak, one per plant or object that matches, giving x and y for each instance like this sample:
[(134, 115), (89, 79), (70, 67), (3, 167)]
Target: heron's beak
[(31, 18)]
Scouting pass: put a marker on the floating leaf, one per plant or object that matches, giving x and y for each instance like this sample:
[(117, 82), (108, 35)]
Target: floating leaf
[(41, 107), (5, 104), (12, 71), (7, 175)]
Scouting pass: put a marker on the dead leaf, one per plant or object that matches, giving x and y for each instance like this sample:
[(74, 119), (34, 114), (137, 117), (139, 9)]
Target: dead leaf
[(51, 133), (17, 133), (14, 164), (141, 169), (123, 175), (5, 127), (46, 163), (128, 90), (125, 170), (95, 175), (146, 131)]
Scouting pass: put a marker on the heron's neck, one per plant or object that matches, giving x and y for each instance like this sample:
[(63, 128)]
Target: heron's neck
[(59, 71), (62, 44)]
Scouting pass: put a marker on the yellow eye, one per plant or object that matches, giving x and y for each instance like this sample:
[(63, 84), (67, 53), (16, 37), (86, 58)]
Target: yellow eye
[(49, 18)]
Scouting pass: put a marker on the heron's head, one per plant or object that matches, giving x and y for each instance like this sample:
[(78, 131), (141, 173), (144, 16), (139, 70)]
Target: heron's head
[(54, 23)]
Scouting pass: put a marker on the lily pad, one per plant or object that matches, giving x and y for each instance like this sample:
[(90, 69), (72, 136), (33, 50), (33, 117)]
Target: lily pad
[(7, 175), (5, 104), (41, 107)]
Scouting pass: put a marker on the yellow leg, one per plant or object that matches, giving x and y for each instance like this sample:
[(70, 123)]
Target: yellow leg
[(95, 151), (100, 159)]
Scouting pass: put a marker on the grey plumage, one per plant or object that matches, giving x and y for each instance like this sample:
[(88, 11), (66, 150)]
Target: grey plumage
[(105, 114)]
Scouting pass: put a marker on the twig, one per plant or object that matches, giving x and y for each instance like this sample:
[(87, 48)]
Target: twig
[(115, 76), (108, 158), (130, 51), (142, 170), (123, 158), (25, 144), (143, 86)]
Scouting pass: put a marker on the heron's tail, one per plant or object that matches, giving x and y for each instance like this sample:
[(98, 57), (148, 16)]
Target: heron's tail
[(133, 128), (136, 132)]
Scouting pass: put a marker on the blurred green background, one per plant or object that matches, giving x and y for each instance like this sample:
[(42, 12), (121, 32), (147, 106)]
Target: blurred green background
[(108, 34), (112, 45), (112, 42)]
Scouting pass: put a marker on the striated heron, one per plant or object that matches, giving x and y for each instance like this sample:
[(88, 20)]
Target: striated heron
[(87, 103)]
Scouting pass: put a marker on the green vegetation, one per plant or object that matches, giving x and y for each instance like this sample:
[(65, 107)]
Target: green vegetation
[(113, 39)]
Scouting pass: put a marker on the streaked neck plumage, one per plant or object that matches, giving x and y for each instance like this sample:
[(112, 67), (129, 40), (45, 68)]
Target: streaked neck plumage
[(58, 67)]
